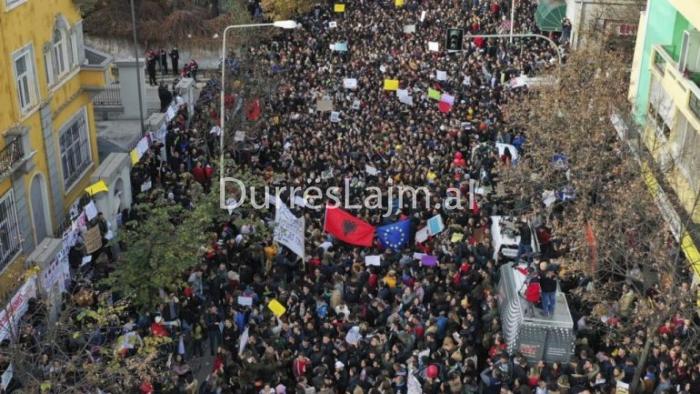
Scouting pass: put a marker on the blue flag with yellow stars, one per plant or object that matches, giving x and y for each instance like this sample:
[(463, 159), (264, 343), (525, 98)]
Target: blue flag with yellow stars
[(394, 235)]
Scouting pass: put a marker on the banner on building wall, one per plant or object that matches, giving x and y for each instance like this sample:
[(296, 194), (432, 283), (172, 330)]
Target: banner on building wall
[(56, 273), (13, 312), (93, 240)]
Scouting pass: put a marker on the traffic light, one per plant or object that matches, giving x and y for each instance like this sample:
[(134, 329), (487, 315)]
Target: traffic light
[(454, 39)]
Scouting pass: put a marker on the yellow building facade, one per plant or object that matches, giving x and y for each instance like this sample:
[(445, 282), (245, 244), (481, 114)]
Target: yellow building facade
[(48, 148)]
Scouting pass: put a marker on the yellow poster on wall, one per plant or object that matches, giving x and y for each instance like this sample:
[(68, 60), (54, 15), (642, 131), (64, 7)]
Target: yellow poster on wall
[(134, 154), (97, 187)]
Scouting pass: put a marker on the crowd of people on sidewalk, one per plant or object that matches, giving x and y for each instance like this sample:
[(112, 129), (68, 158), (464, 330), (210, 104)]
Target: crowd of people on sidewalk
[(399, 327)]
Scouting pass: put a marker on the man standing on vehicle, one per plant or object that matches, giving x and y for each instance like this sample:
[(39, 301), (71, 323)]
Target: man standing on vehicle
[(548, 283), (525, 245)]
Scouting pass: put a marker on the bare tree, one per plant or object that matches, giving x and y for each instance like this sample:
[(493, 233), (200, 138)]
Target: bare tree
[(83, 351), (613, 230)]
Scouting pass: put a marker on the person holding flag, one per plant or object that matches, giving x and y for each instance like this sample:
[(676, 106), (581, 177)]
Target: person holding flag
[(394, 235), (347, 227)]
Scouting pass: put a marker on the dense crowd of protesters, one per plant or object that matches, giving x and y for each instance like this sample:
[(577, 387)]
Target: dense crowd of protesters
[(398, 327)]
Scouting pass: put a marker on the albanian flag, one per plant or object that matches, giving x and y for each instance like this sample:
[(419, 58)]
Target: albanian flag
[(348, 228), (253, 111)]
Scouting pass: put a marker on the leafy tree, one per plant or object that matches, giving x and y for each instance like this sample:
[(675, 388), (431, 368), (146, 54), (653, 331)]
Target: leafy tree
[(167, 239), (161, 245)]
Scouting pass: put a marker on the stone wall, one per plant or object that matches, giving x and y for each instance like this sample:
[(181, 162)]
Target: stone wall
[(124, 49)]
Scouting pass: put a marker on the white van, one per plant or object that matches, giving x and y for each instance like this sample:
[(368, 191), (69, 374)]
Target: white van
[(505, 238)]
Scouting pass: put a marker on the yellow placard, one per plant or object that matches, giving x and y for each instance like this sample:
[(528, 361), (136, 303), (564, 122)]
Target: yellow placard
[(339, 7), (134, 154), (399, 3), (97, 187), (276, 307), (391, 84), (456, 237)]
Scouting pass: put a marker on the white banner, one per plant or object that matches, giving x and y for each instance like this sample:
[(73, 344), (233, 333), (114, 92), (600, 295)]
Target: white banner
[(10, 316), (242, 341), (289, 230), (57, 273)]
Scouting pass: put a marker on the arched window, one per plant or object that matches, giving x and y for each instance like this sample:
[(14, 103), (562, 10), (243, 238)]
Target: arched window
[(59, 54), (59, 51)]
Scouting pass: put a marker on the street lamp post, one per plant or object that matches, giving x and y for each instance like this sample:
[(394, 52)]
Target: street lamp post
[(287, 24), (138, 66), (512, 19)]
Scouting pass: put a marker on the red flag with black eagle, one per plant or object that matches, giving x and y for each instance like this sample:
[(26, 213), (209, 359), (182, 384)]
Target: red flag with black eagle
[(348, 228)]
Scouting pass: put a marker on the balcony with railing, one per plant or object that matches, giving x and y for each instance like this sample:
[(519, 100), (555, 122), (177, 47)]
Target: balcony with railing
[(685, 84), (11, 155), (16, 154)]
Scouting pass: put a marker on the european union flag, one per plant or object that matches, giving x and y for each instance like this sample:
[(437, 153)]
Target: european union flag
[(394, 235)]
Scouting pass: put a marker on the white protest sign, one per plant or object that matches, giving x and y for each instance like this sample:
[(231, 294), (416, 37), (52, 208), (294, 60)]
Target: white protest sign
[(243, 340), (355, 104), (86, 260), (404, 97), (435, 225), (422, 16), (245, 301), (299, 201), (372, 171), (289, 230), (408, 29), (446, 98), (239, 136), (7, 376), (335, 116), (350, 83), (441, 75), (90, 210), (146, 186), (375, 260), (422, 235), (170, 114), (332, 24), (16, 308), (433, 46), (142, 146)]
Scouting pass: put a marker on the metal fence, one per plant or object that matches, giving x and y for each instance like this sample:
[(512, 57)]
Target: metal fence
[(110, 97), (11, 154)]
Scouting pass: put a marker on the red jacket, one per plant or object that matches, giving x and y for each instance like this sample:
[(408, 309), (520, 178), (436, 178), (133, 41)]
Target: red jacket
[(299, 366), (199, 174), (533, 292), (146, 388), (159, 330)]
